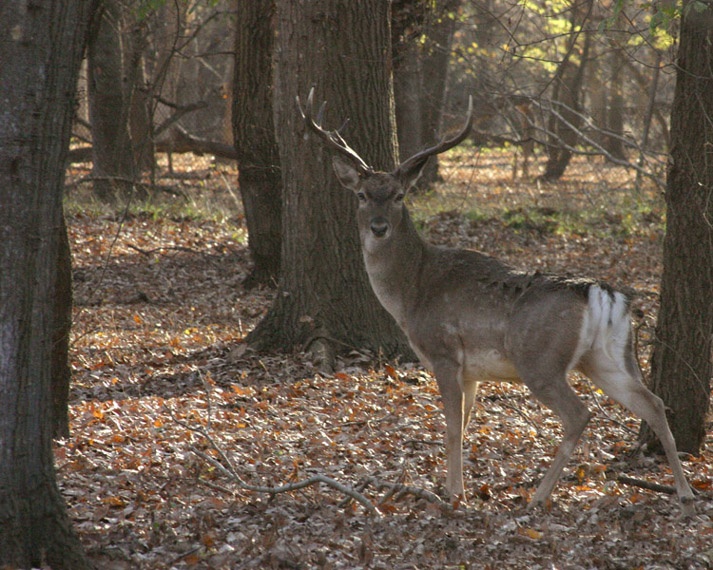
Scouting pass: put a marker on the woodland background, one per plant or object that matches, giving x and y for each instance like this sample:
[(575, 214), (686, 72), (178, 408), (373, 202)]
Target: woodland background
[(173, 415)]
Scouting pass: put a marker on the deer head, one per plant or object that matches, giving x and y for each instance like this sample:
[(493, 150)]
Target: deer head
[(380, 194)]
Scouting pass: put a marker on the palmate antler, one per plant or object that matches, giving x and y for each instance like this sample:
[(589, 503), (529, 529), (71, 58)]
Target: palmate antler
[(336, 142)]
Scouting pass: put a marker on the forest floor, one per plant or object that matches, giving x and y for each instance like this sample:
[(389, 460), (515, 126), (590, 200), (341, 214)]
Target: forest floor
[(164, 387)]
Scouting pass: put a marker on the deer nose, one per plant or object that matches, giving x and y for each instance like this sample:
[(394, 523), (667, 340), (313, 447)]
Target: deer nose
[(379, 227)]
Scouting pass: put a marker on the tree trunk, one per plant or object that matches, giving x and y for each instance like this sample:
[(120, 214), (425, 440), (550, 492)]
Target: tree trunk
[(41, 51), (254, 136), (420, 75), (681, 365), (407, 18), (566, 117), (324, 302), (439, 30), (407, 98), (139, 97), (61, 373), (615, 115), (113, 166)]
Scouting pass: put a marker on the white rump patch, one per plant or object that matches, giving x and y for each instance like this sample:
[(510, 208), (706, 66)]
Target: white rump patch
[(605, 326)]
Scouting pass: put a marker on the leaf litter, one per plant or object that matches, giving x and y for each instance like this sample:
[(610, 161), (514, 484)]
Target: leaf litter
[(164, 386)]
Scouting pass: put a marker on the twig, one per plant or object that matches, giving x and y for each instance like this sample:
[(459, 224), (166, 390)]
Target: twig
[(162, 248), (313, 480), (399, 490), (183, 555), (606, 414), (668, 489), (231, 473)]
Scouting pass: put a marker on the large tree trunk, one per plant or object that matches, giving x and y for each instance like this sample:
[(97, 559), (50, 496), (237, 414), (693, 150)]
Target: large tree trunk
[(681, 366), (324, 302), (254, 135), (40, 54)]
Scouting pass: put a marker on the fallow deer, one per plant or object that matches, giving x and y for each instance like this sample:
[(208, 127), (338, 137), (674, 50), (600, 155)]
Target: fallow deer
[(471, 318)]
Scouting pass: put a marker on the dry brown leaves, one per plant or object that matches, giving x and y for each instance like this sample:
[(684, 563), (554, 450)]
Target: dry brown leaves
[(158, 358)]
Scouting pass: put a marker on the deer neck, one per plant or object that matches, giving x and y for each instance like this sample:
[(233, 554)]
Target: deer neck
[(394, 265)]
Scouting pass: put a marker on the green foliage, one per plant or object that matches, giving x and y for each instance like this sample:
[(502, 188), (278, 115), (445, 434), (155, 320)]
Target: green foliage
[(146, 8)]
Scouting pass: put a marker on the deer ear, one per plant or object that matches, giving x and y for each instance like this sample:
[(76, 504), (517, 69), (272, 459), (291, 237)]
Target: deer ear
[(409, 176), (346, 173)]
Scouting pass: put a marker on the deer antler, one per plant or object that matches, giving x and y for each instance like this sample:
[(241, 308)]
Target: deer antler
[(417, 160), (333, 139)]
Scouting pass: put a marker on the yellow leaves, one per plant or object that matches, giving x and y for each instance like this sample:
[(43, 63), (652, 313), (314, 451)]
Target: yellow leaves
[(97, 412), (242, 391), (391, 372), (116, 502), (530, 533)]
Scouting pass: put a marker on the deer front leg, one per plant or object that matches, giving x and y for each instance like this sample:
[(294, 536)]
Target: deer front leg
[(448, 376), (470, 391)]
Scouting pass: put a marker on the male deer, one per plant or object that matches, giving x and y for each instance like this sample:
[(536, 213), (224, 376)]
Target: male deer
[(471, 318)]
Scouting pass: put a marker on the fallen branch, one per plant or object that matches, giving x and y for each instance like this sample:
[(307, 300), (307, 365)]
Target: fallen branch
[(178, 141), (668, 489), (313, 480), (231, 472), (398, 490)]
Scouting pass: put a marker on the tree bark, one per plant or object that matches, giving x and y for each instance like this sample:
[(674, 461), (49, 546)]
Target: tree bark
[(112, 160), (420, 75), (681, 365), (615, 115), (407, 17), (566, 116), (254, 136), (324, 301), (61, 372), (40, 53), (439, 29)]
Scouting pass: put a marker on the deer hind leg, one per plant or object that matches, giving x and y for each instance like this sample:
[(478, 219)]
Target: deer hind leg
[(628, 389), (449, 378), (557, 395)]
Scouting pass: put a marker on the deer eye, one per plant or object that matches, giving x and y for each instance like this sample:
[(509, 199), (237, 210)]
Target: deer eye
[(362, 197), (399, 197)]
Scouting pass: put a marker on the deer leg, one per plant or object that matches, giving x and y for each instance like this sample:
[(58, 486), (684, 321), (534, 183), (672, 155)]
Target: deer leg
[(561, 399), (448, 376), (470, 391), (631, 393)]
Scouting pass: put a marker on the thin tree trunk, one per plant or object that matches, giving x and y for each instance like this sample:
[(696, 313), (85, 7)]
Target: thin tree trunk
[(254, 136), (61, 372), (615, 116), (407, 17), (681, 365), (566, 117), (439, 30), (40, 53), (113, 162)]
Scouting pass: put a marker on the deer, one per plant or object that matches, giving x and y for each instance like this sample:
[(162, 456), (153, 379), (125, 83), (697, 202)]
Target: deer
[(471, 318)]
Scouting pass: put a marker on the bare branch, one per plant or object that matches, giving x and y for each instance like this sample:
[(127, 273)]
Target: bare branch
[(226, 467)]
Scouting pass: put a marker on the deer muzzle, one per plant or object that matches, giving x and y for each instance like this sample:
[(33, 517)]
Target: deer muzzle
[(379, 227)]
